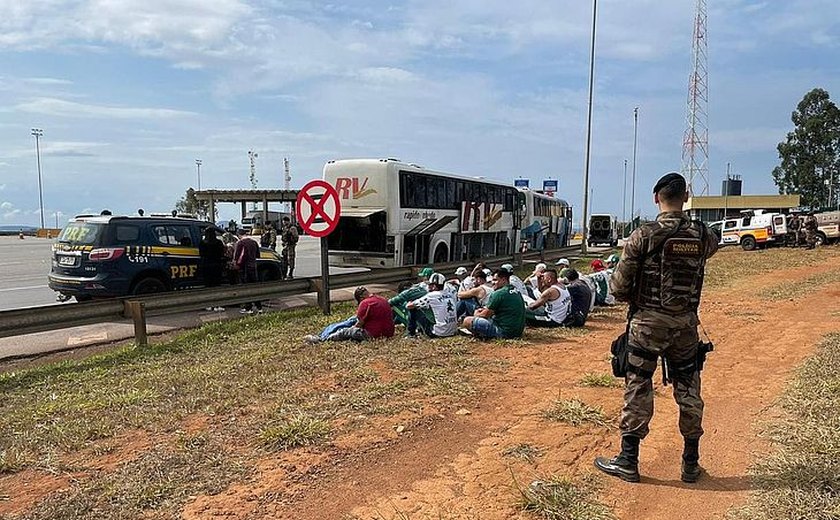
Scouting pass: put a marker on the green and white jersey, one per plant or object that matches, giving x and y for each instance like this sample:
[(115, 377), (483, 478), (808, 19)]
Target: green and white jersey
[(442, 304)]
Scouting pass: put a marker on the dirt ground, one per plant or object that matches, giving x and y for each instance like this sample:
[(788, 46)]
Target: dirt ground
[(448, 462)]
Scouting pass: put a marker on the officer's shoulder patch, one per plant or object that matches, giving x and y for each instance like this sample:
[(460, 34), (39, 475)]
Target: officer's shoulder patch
[(683, 247)]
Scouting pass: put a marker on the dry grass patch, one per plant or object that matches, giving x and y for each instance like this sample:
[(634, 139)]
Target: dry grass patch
[(791, 290), (576, 413), (295, 431), (603, 380), (524, 452), (731, 264), (801, 478), (561, 498)]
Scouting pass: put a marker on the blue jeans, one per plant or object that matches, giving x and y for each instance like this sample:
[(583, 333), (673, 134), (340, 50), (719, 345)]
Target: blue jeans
[(335, 327), (417, 317), (466, 307), (484, 328)]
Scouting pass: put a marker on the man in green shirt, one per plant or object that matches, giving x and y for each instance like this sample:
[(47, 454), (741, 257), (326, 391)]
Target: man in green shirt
[(504, 314)]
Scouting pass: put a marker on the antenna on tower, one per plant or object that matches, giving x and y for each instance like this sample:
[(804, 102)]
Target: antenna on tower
[(695, 151), (288, 178), (252, 161)]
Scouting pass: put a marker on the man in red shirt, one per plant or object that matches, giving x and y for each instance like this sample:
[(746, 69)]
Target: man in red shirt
[(374, 319)]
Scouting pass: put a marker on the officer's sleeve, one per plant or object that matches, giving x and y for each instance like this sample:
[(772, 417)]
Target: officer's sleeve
[(621, 282), (711, 245)]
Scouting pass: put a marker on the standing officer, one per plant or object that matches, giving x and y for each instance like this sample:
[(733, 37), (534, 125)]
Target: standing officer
[(811, 230), (661, 275), (290, 238)]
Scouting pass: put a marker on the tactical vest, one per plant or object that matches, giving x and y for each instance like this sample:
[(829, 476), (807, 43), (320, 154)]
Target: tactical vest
[(672, 277)]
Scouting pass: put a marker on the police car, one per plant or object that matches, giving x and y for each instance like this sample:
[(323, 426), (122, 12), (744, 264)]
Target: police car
[(105, 256)]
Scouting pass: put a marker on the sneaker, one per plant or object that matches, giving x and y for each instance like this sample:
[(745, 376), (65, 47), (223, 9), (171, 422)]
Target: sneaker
[(209, 309), (246, 311), (465, 331), (219, 309), (259, 311), (311, 339)]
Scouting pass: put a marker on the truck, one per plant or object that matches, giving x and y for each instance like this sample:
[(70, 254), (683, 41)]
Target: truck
[(828, 226), (753, 229), (603, 229)]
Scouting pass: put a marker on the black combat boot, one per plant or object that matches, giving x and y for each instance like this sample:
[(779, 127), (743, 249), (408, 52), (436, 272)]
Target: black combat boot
[(626, 464), (690, 461)]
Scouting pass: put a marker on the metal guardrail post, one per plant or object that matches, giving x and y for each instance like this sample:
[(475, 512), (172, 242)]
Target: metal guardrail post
[(137, 312)]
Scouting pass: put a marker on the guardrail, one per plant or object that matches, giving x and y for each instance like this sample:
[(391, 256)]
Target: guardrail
[(18, 322)]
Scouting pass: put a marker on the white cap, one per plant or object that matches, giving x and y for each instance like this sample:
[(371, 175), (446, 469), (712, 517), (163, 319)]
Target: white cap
[(488, 272), (540, 267), (507, 267), (437, 279), (563, 261), (460, 271)]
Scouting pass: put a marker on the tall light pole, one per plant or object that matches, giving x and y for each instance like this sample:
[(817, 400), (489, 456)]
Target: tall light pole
[(624, 202), (39, 133), (198, 172), (589, 130), (633, 181)]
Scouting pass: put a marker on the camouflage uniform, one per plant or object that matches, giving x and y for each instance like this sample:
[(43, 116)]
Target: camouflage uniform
[(793, 231), (811, 231), (272, 238), (290, 239), (665, 319)]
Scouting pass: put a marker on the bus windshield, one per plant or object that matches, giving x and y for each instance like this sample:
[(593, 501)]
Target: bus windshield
[(81, 233)]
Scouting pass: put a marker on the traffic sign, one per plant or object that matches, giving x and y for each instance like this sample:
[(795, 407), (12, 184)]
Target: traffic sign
[(318, 208), (521, 183)]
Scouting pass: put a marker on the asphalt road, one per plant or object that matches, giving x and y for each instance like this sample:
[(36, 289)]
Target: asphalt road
[(26, 263)]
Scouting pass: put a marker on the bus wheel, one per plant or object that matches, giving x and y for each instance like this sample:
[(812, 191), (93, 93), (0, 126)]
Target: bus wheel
[(748, 243), (441, 254)]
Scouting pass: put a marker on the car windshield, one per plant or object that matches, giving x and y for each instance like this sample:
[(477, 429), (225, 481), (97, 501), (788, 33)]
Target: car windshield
[(81, 233)]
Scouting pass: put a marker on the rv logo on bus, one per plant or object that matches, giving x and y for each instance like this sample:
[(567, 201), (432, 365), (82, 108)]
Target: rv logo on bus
[(351, 187)]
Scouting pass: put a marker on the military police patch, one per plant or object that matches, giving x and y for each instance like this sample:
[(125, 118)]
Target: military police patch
[(683, 248)]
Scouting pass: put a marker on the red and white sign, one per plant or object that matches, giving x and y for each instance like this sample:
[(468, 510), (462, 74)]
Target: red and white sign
[(318, 208)]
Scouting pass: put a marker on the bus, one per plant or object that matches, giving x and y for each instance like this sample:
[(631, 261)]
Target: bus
[(397, 214), (547, 221)]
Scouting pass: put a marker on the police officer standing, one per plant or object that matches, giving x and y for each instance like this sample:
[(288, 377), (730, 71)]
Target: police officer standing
[(811, 231), (289, 237), (661, 276)]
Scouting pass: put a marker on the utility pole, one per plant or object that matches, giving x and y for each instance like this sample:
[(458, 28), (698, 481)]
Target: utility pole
[(624, 202), (585, 223), (252, 176), (725, 193), (198, 172), (39, 133), (633, 181)]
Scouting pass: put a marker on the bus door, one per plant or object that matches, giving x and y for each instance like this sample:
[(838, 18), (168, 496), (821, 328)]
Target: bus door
[(416, 245)]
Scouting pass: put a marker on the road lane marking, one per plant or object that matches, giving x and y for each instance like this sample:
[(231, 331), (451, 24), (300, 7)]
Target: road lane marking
[(24, 288)]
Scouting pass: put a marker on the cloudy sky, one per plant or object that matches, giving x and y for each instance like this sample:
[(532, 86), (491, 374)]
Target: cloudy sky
[(130, 93)]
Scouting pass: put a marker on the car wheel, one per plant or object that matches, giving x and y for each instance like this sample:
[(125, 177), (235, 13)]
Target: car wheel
[(821, 239), (748, 243), (148, 285)]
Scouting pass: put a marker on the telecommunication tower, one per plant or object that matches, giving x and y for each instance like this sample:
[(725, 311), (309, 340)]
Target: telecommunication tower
[(252, 161), (695, 150), (287, 176)]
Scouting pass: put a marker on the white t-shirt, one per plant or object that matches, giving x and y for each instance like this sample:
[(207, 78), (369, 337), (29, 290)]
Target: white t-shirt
[(518, 284), (442, 304), (467, 283), (488, 290), (559, 309)]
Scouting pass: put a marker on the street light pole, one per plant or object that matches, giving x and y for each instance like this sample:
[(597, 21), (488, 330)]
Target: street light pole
[(584, 226), (624, 202), (39, 133), (198, 172), (633, 181)]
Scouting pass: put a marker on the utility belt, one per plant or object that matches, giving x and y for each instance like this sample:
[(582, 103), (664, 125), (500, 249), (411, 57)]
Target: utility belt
[(671, 370)]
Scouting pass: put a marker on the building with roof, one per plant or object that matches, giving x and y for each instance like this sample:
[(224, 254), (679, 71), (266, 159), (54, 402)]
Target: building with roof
[(730, 203)]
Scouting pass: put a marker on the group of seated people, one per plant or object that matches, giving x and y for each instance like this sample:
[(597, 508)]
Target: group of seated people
[(482, 303)]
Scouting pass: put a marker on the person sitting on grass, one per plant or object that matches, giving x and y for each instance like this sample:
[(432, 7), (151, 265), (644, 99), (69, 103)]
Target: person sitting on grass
[(532, 281), (581, 298), (601, 277), (472, 299), (374, 319), (554, 304), (442, 320), (407, 293), (516, 281), (504, 315)]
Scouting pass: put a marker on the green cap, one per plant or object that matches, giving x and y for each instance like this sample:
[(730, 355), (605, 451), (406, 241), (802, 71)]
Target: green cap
[(613, 259), (426, 272)]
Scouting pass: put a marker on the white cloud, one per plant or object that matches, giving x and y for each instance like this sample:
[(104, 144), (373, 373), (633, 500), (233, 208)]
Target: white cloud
[(63, 108), (47, 81), (6, 205)]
